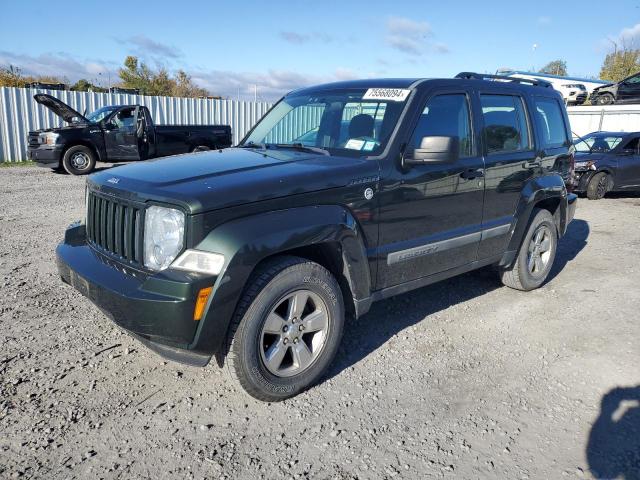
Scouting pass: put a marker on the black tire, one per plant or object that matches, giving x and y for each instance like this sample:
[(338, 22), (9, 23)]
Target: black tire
[(200, 148), (246, 357), (598, 186), (79, 160), (605, 99), (519, 275)]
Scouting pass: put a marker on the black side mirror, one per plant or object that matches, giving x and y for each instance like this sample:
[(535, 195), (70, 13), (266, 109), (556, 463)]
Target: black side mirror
[(435, 149)]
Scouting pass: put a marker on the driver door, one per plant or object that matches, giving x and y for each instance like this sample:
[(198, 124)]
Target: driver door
[(121, 135), (629, 164), (629, 90)]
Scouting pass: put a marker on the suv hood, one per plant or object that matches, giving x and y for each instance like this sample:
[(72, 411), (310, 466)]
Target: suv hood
[(211, 180), (59, 108)]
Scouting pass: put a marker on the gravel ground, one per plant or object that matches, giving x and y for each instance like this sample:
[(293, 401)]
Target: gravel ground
[(462, 379)]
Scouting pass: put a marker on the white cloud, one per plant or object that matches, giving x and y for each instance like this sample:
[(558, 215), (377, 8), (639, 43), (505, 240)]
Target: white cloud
[(57, 64), (629, 35), (300, 38), (412, 37)]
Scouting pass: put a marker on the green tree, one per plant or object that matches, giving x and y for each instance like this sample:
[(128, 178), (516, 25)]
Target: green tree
[(83, 85), (184, 86), (137, 75), (11, 77), (620, 64), (555, 67)]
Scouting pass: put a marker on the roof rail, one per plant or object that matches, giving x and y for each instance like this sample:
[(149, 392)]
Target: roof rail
[(485, 76)]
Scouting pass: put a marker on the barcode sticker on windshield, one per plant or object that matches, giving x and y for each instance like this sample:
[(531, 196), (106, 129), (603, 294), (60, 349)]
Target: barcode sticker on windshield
[(392, 94)]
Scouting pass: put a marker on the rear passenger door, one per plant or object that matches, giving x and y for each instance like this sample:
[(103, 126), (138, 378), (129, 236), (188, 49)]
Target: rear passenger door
[(510, 161), (553, 135)]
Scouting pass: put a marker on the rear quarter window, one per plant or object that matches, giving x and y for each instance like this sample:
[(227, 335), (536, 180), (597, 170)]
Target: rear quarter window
[(550, 122)]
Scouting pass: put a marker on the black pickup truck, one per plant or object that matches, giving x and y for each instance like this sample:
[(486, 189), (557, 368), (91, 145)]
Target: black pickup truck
[(112, 134), (342, 195)]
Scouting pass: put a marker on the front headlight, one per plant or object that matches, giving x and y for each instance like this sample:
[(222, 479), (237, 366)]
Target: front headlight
[(163, 236), (48, 138)]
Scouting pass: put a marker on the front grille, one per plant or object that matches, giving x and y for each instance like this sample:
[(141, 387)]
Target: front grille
[(33, 139), (115, 226)]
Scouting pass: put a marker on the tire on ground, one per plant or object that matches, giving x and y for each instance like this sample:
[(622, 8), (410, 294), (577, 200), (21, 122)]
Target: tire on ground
[(273, 282), (519, 275), (598, 186), (79, 160)]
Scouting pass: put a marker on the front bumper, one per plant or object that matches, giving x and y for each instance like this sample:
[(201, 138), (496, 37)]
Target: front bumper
[(156, 308), (582, 178), (45, 156)]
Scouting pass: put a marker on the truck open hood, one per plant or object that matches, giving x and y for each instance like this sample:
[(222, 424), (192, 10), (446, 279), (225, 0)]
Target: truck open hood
[(212, 180), (60, 108)]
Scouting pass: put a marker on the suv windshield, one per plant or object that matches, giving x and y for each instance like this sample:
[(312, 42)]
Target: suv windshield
[(597, 142), (101, 113), (354, 122)]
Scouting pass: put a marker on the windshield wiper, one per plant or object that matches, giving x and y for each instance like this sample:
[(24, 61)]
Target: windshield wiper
[(300, 146), (261, 146)]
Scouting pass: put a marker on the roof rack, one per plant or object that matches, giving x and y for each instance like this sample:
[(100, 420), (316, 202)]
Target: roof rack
[(485, 76)]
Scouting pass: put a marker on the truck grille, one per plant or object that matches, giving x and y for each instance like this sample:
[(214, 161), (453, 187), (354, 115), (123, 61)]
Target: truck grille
[(115, 226), (33, 139)]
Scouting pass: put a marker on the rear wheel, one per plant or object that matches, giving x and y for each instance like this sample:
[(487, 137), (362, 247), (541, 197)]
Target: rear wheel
[(598, 186), (286, 330), (536, 255), (79, 160)]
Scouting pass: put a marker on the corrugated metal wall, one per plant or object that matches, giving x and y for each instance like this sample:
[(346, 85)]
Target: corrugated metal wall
[(614, 118), (19, 113)]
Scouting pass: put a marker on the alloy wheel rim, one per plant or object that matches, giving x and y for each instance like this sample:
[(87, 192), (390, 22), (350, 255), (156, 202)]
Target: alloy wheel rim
[(539, 251), (79, 160), (294, 333)]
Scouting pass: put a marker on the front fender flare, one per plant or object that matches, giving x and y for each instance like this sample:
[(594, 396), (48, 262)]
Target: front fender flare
[(247, 241)]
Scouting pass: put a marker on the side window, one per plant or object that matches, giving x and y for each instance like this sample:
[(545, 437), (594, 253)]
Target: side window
[(124, 118), (550, 122), (635, 79), (446, 115), (506, 128), (632, 145)]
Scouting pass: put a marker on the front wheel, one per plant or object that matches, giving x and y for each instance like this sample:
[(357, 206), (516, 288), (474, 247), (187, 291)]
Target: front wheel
[(536, 255), (286, 330), (79, 160), (605, 99), (598, 186)]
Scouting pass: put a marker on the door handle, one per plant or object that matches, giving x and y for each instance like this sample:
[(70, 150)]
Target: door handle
[(472, 173)]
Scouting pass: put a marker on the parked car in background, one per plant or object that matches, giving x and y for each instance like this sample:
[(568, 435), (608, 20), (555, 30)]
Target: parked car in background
[(607, 161), (574, 90), (342, 195), (112, 134), (624, 91)]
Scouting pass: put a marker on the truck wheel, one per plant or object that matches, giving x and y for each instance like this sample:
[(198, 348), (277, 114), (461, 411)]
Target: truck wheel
[(536, 254), (286, 329), (79, 160), (598, 186), (605, 99)]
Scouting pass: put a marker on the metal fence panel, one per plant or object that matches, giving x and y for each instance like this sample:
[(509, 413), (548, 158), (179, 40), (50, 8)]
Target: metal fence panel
[(19, 113), (614, 118)]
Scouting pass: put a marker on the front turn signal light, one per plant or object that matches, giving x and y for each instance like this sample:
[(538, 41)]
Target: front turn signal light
[(201, 302)]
